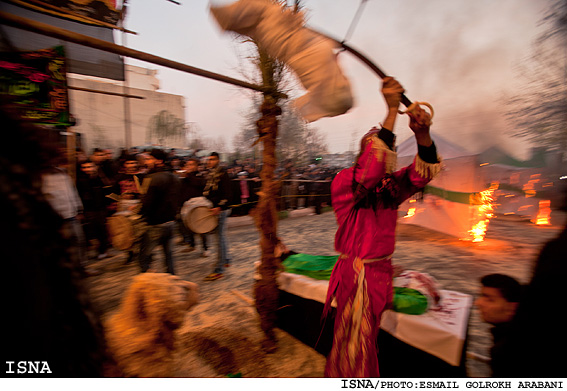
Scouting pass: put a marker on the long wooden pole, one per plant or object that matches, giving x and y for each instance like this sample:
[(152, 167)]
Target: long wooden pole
[(104, 92), (46, 29)]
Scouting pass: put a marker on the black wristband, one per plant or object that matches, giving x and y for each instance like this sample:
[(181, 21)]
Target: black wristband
[(428, 154)]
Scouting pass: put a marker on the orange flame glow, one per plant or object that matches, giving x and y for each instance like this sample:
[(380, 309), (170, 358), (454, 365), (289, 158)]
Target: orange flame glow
[(529, 187), (543, 213), (485, 212), (411, 211)]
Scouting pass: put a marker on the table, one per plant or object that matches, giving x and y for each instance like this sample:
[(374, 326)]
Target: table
[(428, 345)]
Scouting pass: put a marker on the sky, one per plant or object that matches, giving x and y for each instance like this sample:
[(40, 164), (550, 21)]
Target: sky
[(458, 55)]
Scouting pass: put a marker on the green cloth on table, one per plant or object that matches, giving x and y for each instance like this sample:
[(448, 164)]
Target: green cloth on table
[(319, 267), (409, 301)]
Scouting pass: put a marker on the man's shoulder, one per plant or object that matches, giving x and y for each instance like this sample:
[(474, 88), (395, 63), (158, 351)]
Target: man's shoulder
[(162, 177)]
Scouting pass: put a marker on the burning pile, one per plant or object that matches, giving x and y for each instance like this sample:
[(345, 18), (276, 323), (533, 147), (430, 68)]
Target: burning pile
[(543, 213), (485, 212)]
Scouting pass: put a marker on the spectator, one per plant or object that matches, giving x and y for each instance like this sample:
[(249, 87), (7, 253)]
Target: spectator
[(93, 195), (159, 208), (498, 301), (106, 171)]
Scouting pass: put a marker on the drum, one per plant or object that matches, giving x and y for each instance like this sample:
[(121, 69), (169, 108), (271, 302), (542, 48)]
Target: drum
[(121, 231), (196, 215)]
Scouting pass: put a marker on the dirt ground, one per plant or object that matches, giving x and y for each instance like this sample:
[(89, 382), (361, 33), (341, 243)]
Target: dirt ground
[(226, 318)]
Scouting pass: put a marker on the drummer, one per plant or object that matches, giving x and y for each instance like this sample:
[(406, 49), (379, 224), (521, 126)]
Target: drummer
[(217, 190), (192, 185), (129, 188), (129, 180)]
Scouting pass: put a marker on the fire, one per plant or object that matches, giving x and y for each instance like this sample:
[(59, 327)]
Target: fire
[(543, 213), (411, 211), (478, 231), (485, 211), (529, 187)]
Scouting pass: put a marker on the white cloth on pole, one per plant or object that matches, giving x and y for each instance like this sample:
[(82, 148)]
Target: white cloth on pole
[(281, 33)]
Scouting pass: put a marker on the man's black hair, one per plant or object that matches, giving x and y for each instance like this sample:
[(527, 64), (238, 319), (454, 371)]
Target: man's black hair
[(159, 154), (214, 154), (509, 287)]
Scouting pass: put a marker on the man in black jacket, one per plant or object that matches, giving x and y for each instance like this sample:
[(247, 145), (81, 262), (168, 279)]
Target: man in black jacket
[(159, 207), (92, 191), (217, 190)]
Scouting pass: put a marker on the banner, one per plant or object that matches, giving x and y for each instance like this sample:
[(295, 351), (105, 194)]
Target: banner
[(34, 84), (86, 11), (455, 196), (80, 59)]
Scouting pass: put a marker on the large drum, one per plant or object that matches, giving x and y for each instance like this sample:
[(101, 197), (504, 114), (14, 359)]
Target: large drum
[(196, 215), (126, 226), (121, 231)]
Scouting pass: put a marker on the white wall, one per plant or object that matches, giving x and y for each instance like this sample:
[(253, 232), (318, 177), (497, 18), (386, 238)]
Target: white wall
[(100, 117)]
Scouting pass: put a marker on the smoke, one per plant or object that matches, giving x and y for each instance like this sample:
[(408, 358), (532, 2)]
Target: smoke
[(457, 55)]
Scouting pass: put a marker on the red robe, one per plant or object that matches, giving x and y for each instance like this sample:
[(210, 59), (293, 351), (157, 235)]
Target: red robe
[(366, 199)]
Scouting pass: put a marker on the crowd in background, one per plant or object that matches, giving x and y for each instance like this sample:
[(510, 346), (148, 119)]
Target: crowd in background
[(302, 186)]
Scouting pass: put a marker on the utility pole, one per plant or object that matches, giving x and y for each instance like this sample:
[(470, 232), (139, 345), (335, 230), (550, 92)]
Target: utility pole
[(126, 89)]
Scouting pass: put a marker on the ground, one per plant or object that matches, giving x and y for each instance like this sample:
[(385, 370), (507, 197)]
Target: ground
[(511, 247)]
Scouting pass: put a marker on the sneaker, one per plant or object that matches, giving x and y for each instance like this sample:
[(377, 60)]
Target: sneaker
[(205, 254), (213, 276)]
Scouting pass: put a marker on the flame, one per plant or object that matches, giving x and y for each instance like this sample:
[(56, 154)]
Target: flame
[(529, 187), (485, 211), (411, 211), (543, 213)]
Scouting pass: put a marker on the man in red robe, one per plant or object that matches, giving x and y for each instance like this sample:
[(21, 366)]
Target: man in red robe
[(365, 198)]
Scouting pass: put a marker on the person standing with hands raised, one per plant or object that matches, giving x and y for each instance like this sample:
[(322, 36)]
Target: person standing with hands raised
[(365, 199)]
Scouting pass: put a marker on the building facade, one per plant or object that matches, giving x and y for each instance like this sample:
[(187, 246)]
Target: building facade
[(102, 117)]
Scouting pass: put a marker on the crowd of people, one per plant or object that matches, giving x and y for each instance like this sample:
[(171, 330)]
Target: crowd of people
[(155, 183), (302, 186)]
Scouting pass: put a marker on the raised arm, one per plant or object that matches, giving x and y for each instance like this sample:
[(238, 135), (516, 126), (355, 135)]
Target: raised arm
[(426, 164), (377, 157), (392, 91)]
